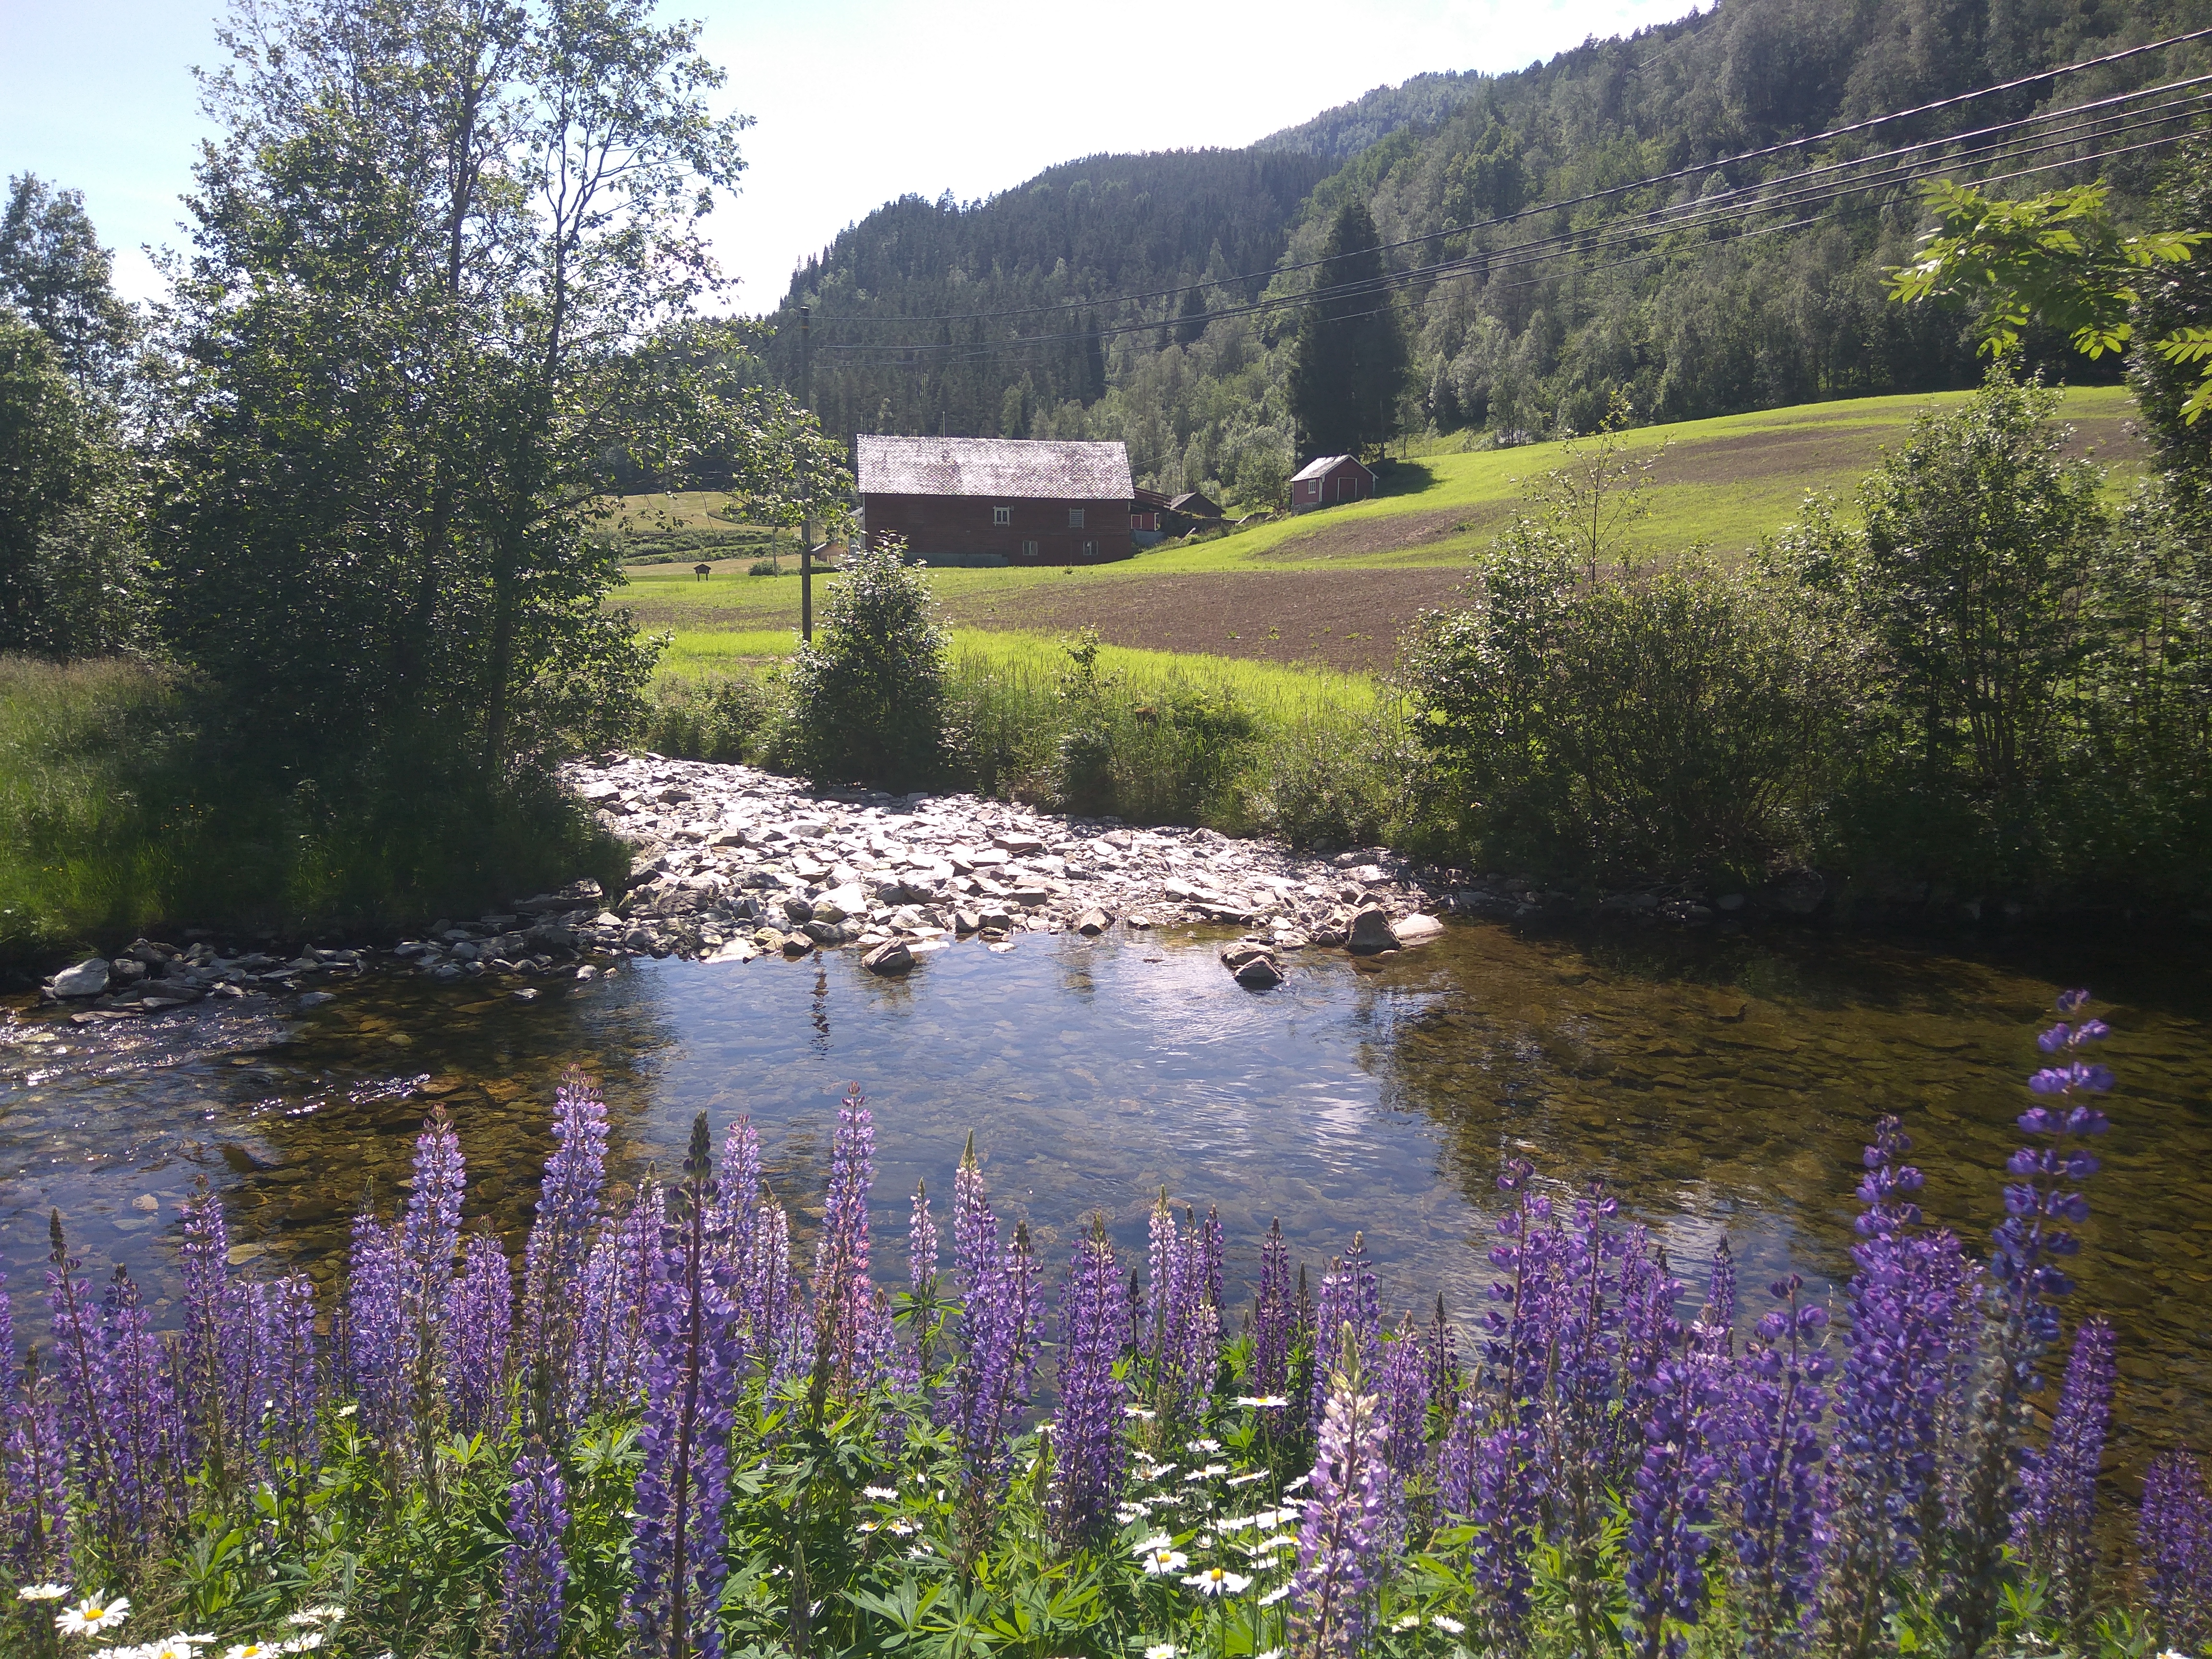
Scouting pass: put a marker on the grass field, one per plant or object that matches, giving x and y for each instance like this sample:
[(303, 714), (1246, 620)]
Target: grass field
[(1337, 588)]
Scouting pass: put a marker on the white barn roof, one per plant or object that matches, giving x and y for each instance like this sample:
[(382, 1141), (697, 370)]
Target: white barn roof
[(996, 467), (1321, 466)]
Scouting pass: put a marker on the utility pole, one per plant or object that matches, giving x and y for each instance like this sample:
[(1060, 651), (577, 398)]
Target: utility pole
[(806, 525)]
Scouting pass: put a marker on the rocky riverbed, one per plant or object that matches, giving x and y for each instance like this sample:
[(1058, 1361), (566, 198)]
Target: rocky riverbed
[(733, 863)]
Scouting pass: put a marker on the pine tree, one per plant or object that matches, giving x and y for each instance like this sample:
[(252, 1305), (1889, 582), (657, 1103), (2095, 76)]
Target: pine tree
[(1349, 357)]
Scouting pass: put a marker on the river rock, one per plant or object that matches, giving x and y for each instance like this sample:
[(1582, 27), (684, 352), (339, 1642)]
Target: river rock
[(88, 979), (1796, 892), (1235, 954), (1370, 932), (315, 998), (966, 922), (840, 902), (893, 956), (1415, 929), (1260, 974), (1091, 923)]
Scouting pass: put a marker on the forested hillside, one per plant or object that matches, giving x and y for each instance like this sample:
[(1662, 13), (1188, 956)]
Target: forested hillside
[(1542, 317)]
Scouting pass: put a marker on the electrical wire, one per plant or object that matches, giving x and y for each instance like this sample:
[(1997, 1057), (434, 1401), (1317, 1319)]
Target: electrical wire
[(1954, 102), (1595, 241)]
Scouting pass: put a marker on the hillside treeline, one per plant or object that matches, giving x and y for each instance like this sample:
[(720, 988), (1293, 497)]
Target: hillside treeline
[(1709, 322)]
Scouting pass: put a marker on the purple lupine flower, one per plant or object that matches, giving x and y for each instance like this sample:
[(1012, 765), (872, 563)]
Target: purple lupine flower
[(1774, 1450), (34, 1513), (609, 1358), (536, 1569), (1714, 1331), (692, 1361), (1350, 1516), (145, 1421), (1911, 1309), (1577, 1427), (1440, 1350), (558, 1252), (1351, 1295), (998, 1345), (290, 1433), (478, 1323), (428, 1236), (736, 1213), (2054, 1526), (1088, 1450), (1503, 1479), (201, 1371), (1405, 1396), (2043, 1203), (1456, 1456), (852, 1340), (921, 1290), (371, 1344), (83, 1406), (1670, 1507), (2173, 1540), (1272, 1317)]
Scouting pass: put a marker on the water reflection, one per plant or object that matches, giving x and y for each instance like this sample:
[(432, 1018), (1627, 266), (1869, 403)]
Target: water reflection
[(1720, 1086)]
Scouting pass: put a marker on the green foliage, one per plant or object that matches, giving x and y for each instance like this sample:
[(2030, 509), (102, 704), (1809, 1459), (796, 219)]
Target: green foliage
[(2058, 258), (868, 696), (54, 272), (423, 346), (132, 799), (1645, 723), (716, 717), (1350, 360)]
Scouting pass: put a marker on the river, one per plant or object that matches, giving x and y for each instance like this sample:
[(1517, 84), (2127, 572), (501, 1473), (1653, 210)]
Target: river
[(1719, 1085)]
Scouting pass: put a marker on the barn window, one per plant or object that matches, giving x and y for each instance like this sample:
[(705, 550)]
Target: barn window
[(1090, 550), (1002, 515), (1075, 518), (1029, 549)]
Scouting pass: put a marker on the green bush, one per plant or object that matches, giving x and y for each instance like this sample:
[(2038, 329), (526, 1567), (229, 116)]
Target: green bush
[(1642, 723), (716, 717), (129, 801), (868, 696)]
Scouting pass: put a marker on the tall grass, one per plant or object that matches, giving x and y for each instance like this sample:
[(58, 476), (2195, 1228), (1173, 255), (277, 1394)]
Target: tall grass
[(130, 802), (1322, 759)]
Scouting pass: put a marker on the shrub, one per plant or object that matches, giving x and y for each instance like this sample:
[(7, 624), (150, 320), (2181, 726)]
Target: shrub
[(1639, 723), (764, 568), (868, 696), (716, 717)]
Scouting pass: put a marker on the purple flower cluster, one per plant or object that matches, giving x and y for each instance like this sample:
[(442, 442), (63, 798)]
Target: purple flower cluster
[(536, 1577), (1350, 1516), (1350, 1295), (1769, 1434), (1089, 1453), (1670, 1506), (693, 1357), (853, 1328), (555, 1259), (477, 1331), (2173, 1537), (2054, 1526), (998, 1331), (1179, 1335)]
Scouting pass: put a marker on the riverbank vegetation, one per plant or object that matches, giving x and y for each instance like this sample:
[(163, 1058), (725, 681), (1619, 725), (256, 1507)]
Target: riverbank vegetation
[(656, 1430)]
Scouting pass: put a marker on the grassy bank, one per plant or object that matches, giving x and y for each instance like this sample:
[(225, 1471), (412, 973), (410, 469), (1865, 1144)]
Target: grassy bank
[(1154, 737), (129, 803)]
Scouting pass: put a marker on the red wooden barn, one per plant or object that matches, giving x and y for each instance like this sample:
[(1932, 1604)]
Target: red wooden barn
[(988, 500), (1327, 479)]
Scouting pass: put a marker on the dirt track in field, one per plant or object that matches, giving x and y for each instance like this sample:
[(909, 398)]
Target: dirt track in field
[(1346, 619)]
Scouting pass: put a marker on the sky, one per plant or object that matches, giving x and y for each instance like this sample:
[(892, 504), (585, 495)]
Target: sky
[(854, 102)]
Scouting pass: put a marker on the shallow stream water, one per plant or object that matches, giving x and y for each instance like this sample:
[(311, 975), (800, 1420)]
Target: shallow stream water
[(1720, 1085)]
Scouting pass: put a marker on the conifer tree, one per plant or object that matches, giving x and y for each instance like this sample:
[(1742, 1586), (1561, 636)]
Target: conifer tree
[(1350, 358)]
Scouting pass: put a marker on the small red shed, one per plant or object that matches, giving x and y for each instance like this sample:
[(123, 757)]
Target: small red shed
[(1327, 480)]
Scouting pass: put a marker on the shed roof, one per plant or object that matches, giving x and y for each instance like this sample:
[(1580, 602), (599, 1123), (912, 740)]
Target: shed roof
[(993, 467), (1321, 466)]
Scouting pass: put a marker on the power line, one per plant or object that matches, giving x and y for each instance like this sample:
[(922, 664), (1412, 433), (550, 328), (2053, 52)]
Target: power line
[(1869, 124), (1704, 215)]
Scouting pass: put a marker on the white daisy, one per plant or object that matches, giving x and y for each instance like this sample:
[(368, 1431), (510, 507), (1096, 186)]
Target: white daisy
[(42, 1593), (1411, 1622), (1138, 1412), (1203, 1446), (307, 1643), (1292, 1486), (323, 1612), (905, 1528), (1218, 1581), (1449, 1626), (1247, 1480), (1217, 1468), (1272, 1653), (868, 1526), (251, 1651), (1161, 1650), (1159, 1563), (1159, 1541), (1274, 1596), (92, 1615), (885, 1494), (1263, 1402)]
